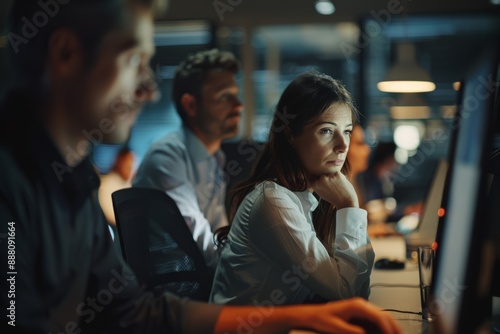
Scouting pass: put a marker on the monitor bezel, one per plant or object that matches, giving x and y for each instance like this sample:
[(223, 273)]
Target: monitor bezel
[(460, 297)]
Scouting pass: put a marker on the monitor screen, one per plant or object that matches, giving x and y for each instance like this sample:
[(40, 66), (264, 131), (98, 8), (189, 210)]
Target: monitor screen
[(462, 277), (493, 167), (425, 234)]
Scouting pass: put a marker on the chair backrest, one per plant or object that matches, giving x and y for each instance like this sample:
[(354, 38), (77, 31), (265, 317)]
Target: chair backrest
[(158, 245)]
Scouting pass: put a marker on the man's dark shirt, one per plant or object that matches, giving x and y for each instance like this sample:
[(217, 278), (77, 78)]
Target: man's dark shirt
[(68, 275)]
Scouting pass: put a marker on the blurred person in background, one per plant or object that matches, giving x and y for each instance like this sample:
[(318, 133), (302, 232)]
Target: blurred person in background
[(377, 181), (118, 177), (378, 209), (378, 186), (358, 156), (188, 164)]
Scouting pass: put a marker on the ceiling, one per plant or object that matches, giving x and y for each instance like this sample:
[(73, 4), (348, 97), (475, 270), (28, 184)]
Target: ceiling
[(296, 27), (258, 12)]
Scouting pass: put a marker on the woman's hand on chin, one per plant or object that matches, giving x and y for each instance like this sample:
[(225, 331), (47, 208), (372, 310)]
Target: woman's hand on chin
[(337, 190)]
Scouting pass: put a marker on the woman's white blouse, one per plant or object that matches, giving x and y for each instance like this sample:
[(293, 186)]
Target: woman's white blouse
[(273, 256)]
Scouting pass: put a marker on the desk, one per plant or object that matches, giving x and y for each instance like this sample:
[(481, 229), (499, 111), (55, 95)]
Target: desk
[(398, 298), (385, 292)]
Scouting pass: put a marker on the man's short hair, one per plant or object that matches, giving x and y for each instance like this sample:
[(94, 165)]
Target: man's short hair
[(31, 23), (192, 73)]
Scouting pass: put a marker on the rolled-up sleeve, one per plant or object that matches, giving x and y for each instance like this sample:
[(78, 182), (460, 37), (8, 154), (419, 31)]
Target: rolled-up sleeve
[(352, 246)]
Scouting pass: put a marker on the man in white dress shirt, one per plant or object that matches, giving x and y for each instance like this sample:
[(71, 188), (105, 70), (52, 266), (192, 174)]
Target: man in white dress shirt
[(188, 164)]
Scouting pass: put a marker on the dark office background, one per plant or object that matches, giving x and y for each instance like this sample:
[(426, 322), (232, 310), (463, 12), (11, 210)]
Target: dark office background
[(277, 40)]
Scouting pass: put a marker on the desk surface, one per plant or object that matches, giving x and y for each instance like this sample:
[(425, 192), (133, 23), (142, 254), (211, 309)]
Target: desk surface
[(397, 289)]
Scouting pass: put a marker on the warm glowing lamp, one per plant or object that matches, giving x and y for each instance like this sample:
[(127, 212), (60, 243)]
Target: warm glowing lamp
[(406, 76)]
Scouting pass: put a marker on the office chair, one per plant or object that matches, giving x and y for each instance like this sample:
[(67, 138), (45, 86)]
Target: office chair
[(158, 245)]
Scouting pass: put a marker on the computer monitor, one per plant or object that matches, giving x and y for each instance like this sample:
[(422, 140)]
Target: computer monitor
[(465, 256), (493, 166), (425, 233), (493, 214)]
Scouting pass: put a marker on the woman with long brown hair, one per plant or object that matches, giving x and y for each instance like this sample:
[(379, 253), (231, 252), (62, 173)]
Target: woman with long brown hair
[(296, 227)]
